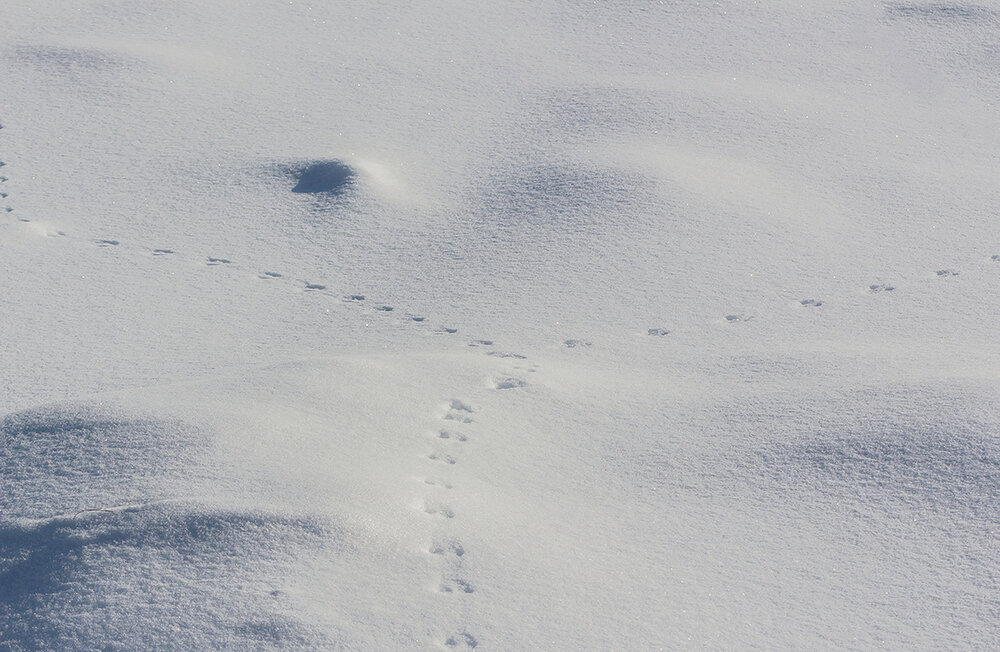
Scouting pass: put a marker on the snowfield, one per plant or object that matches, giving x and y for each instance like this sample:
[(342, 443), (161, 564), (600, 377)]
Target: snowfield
[(499, 326)]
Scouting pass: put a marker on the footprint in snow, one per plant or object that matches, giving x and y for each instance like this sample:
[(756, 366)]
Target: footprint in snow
[(439, 510), (462, 640), (417, 318), (269, 275), (875, 289), (505, 354), (162, 252), (437, 483), (509, 383), (458, 411), (732, 319), (573, 344), (995, 257), (449, 547), (456, 586), (446, 329), (811, 303), (354, 298), (107, 243), (945, 273), (481, 343), (453, 436), (384, 308), (314, 286), (443, 458), (657, 332), (217, 261)]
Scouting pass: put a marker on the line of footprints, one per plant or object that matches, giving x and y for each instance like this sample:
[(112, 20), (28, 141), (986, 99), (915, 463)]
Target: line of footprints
[(448, 442), (312, 286)]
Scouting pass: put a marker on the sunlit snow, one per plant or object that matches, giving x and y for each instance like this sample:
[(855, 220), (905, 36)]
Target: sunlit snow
[(541, 325)]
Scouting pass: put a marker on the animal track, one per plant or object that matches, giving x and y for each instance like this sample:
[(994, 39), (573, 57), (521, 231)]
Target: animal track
[(457, 436), (811, 303), (315, 286), (438, 483), (658, 332), (450, 331), (384, 308), (107, 243), (995, 257), (463, 639), (218, 261), (439, 510), (417, 319), (946, 272), (444, 458), (162, 252), (266, 275), (456, 586), (508, 383), (503, 354), (481, 343), (450, 547), (458, 411), (572, 344), (874, 289), (354, 298), (738, 318)]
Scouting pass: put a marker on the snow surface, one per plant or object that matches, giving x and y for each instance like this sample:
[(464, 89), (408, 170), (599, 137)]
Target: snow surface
[(551, 325)]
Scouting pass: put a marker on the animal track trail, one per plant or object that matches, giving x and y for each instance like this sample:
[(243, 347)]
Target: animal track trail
[(236, 267), (446, 549), (4, 194)]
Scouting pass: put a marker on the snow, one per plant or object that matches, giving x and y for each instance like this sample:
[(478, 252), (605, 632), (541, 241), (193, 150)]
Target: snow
[(547, 325)]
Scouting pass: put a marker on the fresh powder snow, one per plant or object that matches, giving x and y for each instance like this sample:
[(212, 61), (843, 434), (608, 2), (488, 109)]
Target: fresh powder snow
[(548, 325)]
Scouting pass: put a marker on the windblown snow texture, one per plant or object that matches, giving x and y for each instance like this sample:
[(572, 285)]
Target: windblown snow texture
[(506, 326)]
